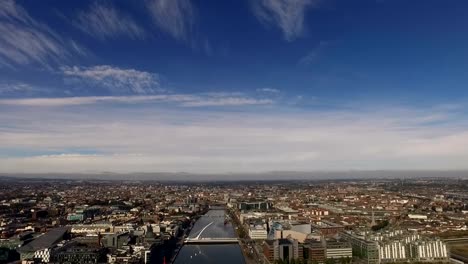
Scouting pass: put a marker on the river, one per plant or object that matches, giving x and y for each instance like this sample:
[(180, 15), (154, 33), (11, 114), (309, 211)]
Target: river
[(213, 220)]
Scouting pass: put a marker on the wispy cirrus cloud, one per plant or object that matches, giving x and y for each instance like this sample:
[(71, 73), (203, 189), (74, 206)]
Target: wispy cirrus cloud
[(314, 55), (287, 15), (116, 80), (13, 89), (7, 88), (226, 101), (175, 17), (268, 90), (24, 40), (102, 20), (181, 100)]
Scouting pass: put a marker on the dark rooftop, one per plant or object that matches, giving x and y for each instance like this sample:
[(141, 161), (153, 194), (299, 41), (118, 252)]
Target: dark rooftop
[(46, 240)]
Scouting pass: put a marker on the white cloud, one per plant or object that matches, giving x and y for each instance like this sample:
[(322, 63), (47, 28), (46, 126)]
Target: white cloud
[(287, 15), (78, 49), (175, 17), (116, 80), (313, 55), (268, 90), (187, 139), (13, 89), (23, 40), (105, 21), (228, 101), (183, 100), (7, 88)]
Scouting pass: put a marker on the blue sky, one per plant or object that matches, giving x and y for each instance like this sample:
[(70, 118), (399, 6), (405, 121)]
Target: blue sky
[(232, 86)]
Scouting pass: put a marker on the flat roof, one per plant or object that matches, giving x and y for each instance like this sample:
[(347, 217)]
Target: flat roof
[(46, 240)]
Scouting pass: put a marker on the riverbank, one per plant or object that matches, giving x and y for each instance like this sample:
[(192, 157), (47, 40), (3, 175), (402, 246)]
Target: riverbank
[(211, 225)]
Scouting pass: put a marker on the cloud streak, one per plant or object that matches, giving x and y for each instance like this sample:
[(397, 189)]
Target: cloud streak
[(14, 88), (25, 41), (313, 55), (181, 100), (287, 15), (104, 21), (174, 17), (114, 79), (268, 90)]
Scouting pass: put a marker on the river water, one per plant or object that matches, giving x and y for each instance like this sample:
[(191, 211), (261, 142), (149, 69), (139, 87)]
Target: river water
[(211, 253)]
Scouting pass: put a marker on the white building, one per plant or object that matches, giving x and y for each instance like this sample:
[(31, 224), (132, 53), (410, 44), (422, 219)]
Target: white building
[(412, 248), (257, 232), (338, 250), (393, 251), (430, 250), (417, 216), (91, 229)]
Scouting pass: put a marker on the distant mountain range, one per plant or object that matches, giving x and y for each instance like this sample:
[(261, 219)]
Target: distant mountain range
[(270, 176)]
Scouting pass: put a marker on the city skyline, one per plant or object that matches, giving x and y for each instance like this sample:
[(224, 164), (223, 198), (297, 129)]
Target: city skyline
[(232, 87)]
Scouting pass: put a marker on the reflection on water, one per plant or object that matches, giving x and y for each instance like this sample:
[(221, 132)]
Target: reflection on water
[(212, 253), (221, 253)]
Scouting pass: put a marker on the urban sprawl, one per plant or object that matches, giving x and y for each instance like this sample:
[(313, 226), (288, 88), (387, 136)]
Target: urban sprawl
[(335, 221)]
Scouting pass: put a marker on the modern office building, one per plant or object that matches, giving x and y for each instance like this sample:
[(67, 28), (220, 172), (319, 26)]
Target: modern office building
[(338, 249), (428, 250), (398, 246), (393, 251), (79, 253), (282, 249), (314, 252), (368, 250), (90, 229), (256, 205), (115, 240), (257, 232), (40, 248)]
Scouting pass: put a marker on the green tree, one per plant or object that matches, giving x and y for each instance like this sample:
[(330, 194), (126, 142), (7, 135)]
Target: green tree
[(381, 225)]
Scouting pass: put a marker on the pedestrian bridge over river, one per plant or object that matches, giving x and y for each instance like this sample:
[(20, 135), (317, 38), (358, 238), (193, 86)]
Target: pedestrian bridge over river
[(210, 240)]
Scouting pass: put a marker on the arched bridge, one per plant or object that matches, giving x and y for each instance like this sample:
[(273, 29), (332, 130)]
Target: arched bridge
[(207, 240)]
